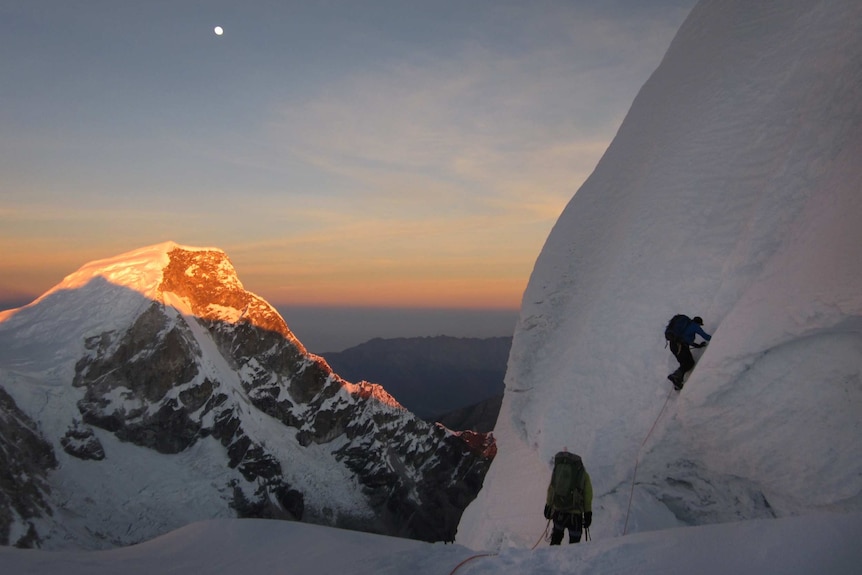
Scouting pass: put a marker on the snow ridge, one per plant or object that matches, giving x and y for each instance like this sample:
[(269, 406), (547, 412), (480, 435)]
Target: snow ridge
[(729, 192)]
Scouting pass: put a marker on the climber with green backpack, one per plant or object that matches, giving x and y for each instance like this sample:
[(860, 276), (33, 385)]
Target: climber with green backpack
[(570, 498)]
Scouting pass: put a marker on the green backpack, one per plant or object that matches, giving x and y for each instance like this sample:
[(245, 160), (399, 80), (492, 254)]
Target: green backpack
[(566, 491)]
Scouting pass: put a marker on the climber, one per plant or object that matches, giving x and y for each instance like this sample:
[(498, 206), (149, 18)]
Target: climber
[(680, 333), (570, 498)]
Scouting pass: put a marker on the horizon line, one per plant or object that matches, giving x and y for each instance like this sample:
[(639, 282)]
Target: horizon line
[(14, 301)]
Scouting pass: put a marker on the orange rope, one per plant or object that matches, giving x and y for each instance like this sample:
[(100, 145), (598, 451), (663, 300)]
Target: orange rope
[(468, 559), (544, 534)]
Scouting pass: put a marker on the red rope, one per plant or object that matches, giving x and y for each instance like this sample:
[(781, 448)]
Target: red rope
[(544, 534), (468, 559)]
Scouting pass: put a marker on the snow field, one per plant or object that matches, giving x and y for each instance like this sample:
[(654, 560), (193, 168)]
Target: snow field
[(818, 543)]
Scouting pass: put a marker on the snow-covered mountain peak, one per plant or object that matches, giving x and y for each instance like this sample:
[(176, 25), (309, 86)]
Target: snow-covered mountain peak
[(199, 281), (155, 376), (140, 270), (196, 281)]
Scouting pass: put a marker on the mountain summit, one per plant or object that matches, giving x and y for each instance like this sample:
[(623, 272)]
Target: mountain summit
[(731, 192), (151, 390), (196, 281)]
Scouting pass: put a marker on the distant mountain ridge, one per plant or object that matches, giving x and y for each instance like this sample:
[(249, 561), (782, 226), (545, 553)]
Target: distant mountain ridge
[(431, 376), (479, 417), (154, 390)]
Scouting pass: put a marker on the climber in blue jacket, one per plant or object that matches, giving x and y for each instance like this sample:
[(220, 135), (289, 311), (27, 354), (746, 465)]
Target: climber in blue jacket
[(680, 333)]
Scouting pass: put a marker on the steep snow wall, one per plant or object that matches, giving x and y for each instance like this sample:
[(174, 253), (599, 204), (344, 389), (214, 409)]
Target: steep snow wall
[(731, 191)]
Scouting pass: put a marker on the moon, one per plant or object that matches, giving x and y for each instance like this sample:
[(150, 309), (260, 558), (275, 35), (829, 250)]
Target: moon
[(218, 30)]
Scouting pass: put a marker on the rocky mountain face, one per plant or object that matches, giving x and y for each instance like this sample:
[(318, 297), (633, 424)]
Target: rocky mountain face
[(25, 460), (201, 366)]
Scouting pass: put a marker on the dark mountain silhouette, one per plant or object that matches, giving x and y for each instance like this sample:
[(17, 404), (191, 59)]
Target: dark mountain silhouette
[(430, 376), (479, 417)]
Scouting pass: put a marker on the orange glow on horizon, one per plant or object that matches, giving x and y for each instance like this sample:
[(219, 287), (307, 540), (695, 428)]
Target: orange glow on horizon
[(450, 293), (468, 283), (453, 293)]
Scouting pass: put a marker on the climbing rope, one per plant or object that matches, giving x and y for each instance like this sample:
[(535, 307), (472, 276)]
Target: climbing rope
[(637, 460), (544, 535), (586, 530), (468, 559)]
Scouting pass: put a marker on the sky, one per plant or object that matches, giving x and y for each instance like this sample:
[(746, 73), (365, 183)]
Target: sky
[(382, 154)]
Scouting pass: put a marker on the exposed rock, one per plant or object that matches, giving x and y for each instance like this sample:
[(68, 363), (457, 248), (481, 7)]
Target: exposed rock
[(81, 442), (128, 377), (25, 458)]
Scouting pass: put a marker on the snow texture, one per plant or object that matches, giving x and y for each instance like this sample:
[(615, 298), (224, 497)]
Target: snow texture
[(791, 546), (731, 191)]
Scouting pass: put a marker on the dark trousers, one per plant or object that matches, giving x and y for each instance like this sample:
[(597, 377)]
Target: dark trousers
[(682, 353), (572, 521)]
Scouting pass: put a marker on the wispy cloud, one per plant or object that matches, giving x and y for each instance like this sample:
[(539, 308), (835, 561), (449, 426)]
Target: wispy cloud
[(479, 119), (456, 164)]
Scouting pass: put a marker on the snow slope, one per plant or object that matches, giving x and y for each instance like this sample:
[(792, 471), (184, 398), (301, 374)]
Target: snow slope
[(731, 191), (790, 546)]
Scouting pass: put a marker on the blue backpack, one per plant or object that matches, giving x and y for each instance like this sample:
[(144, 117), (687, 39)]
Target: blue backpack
[(676, 328)]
